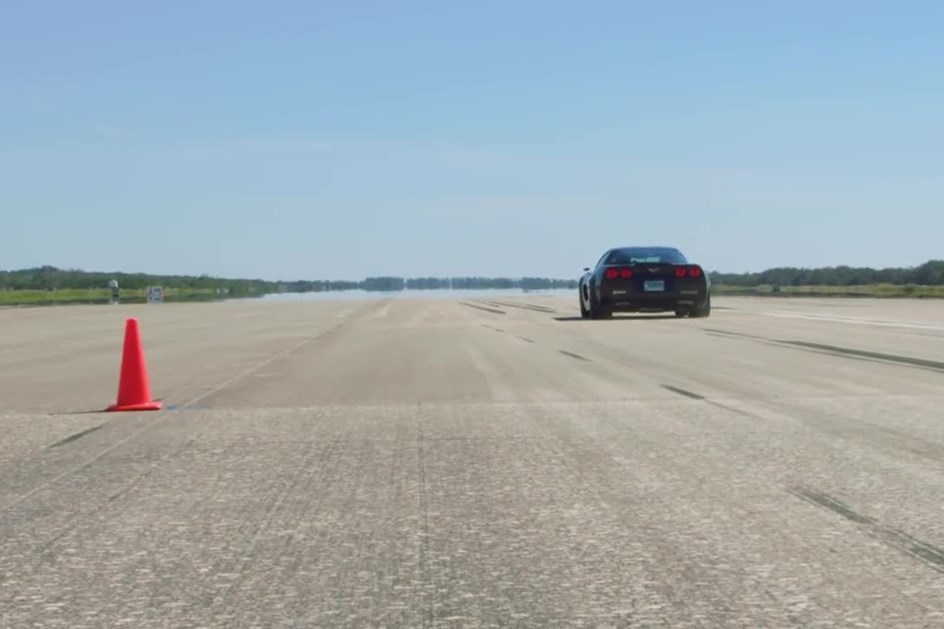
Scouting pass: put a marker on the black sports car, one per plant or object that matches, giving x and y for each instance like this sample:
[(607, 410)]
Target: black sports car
[(644, 279)]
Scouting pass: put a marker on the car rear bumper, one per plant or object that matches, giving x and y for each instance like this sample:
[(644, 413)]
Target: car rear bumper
[(628, 300)]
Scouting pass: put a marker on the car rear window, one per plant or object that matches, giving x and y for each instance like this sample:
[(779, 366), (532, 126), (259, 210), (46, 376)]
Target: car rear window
[(645, 255)]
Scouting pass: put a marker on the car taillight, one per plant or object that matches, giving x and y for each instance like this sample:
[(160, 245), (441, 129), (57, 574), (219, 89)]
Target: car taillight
[(688, 271), (626, 273), (612, 274)]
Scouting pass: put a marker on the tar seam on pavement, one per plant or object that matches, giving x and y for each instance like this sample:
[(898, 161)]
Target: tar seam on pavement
[(76, 436), (845, 352), (573, 355), (832, 349), (524, 307), (929, 554), (486, 309), (680, 391)]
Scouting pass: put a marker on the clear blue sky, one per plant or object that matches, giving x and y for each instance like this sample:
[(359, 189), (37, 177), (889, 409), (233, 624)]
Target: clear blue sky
[(500, 137)]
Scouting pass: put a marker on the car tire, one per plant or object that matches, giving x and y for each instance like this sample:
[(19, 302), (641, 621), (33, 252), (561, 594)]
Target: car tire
[(597, 311), (680, 313), (584, 313), (703, 309)]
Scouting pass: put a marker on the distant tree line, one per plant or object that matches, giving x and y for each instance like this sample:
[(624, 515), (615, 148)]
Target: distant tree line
[(462, 283), (465, 283), (51, 278), (928, 274)]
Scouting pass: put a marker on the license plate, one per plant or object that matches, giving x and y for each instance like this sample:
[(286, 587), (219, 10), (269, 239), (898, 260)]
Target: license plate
[(654, 286)]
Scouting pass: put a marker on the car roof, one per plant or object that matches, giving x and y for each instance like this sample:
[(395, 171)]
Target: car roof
[(648, 247)]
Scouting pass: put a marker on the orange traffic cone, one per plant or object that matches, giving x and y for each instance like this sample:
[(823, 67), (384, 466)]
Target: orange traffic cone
[(134, 389)]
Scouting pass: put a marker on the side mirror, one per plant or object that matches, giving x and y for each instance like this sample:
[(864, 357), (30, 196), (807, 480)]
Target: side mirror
[(586, 268)]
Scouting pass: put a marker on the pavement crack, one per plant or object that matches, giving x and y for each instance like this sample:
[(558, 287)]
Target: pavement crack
[(324, 334), (113, 497), (422, 490), (242, 571), (84, 465)]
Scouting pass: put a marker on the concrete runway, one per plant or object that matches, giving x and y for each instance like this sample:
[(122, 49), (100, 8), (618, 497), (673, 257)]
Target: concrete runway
[(423, 462)]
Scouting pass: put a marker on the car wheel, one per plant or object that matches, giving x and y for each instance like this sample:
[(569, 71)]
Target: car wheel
[(584, 313), (703, 309), (596, 308), (680, 313)]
